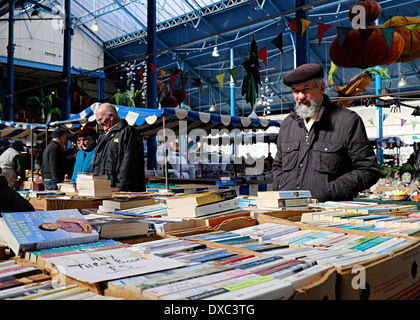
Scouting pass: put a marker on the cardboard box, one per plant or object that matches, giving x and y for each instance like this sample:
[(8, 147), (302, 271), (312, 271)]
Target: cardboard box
[(60, 203), (394, 278)]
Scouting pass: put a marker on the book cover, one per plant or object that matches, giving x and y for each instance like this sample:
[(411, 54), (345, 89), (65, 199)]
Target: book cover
[(191, 211), (284, 194), (30, 231), (200, 199), (127, 203)]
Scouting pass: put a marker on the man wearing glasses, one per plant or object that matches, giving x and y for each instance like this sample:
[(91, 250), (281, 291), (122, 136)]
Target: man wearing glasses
[(119, 153), (86, 139)]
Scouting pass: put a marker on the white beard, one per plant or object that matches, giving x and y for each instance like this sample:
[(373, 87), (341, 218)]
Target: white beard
[(304, 111)]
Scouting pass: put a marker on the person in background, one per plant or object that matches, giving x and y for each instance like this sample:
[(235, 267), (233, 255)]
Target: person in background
[(11, 200), (268, 162), (53, 161), (11, 162), (322, 147), (86, 139), (119, 153)]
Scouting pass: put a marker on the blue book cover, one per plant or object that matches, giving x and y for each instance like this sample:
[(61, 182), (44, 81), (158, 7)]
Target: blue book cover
[(29, 231), (370, 243)]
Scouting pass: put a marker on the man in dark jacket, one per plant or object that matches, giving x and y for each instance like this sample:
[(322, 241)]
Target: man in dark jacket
[(12, 201), (53, 161), (322, 147), (119, 152)]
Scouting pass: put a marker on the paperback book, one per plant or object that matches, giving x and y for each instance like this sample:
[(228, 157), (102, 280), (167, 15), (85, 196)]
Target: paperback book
[(30, 231), (199, 199)]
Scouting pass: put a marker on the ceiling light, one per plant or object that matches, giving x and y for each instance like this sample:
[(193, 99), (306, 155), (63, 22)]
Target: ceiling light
[(212, 108), (402, 82), (215, 52), (36, 14), (95, 27)]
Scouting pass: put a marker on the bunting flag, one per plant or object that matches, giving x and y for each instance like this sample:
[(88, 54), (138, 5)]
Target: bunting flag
[(162, 73), (414, 123), (172, 78), (305, 25), (384, 117), (234, 74), (322, 28), (393, 119), (153, 67), (80, 100), (263, 55), (278, 42), (87, 101), (342, 34), (220, 77), (140, 73), (388, 34), (74, 96), (365, 35), (403, 121), (294, 26), (371, 121)]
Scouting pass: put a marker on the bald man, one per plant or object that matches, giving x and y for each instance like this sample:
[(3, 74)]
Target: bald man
[(119, 153)]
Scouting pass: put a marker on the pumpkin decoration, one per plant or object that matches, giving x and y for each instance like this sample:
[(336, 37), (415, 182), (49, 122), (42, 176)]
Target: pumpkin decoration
[(411, 38), (372, 8), (355, 53), (363, 48)]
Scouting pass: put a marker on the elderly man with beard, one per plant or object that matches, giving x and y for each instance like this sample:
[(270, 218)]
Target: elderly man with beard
[(322, 147)]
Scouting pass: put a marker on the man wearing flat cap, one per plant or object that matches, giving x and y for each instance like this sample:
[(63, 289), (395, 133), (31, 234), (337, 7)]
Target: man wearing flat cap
[(322, 147), (53, 161), (86, 139)]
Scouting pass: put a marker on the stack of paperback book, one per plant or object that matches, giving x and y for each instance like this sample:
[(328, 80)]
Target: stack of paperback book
[(68, 187), (120, 204), (283, 199), (201, 204), (93, 185)]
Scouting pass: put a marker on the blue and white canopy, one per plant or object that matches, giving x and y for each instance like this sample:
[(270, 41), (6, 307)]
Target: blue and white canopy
[(150, 121), (388, 142), (20, 130)]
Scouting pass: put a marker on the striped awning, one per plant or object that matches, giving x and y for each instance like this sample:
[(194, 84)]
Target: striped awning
[(20, 130), (150, 121), (388, 142)]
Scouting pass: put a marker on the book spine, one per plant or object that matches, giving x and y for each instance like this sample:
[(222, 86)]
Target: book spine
[(269, 290), (196, 282)]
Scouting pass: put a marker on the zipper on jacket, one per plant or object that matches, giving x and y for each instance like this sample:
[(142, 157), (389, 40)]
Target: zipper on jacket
[(307, 138)]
